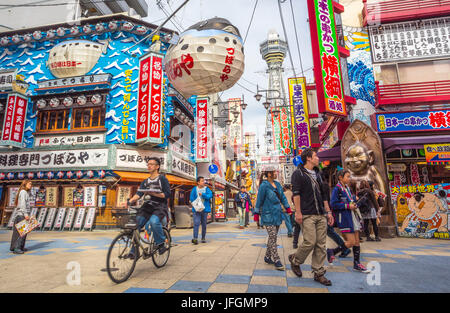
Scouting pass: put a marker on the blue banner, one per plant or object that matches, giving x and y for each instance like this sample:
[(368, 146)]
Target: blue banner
[(413, 121)]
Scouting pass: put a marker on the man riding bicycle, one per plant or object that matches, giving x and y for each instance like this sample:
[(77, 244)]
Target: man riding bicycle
[(154, 211)]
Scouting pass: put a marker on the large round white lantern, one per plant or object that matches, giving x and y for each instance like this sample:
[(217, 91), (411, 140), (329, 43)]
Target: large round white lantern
[(208, 58)]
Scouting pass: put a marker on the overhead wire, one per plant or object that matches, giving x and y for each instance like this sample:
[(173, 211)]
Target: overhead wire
[(296, 37), (251, 20)]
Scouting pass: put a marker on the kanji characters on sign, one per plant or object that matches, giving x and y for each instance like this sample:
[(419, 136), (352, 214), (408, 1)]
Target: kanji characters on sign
[(202, 130)]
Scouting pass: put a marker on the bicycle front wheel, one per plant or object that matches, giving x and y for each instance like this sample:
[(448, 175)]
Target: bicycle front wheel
[(119, 265), (161, 259)]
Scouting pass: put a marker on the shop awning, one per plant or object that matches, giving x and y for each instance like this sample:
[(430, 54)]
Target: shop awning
[(132, 176), (416, 142), (333, 154), (175, 180)]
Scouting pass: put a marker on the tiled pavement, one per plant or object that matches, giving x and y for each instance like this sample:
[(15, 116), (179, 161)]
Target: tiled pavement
[(231, 261)]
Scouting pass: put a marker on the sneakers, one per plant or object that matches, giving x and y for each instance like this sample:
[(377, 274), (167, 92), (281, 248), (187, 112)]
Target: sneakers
[(195, 241), (268, 260), (330, 256), (17, 251), (377, 239), (203, 240), (241, 227), (279, 266), (360, 268), (162, 248), (322, 279), (295, 246), (290, 235), (370, 239), (294, 267), (345, 253)]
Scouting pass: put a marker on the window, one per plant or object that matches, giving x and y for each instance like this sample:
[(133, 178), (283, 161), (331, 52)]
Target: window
[(53, 120), (89, 118)]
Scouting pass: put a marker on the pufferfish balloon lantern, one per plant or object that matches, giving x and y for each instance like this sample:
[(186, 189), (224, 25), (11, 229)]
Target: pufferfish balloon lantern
[(208, 58)]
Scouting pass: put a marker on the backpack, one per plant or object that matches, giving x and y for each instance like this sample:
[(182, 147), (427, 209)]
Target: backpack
[(364, 203)]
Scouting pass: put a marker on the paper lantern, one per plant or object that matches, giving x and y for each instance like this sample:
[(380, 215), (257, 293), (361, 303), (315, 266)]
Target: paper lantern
[(74, 57), (101, 173), (21, 175), (79, 174), (50, 175), (10, 176), (90, 174), (69, 174), (37, 35), (40, 175), (30, 175), (208, 58), (4, 41), (60, 175), (2, 176)]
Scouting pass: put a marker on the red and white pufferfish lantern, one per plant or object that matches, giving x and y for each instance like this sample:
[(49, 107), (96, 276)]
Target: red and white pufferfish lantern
[(208, 58)]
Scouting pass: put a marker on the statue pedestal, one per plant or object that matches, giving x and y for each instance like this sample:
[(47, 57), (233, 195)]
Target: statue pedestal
[(387, 231)]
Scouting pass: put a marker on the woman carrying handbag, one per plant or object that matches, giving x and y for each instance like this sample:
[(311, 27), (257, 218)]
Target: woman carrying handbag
[(23, 212)]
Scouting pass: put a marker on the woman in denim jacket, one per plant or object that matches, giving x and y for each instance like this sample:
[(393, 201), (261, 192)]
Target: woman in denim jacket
[(268, 206), (348, 218)]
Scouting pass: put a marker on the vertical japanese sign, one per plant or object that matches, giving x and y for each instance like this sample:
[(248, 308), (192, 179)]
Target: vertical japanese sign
[(126, 104), (14, 123), (236, 130), (327, 68), (276, 131), (285, 132), (300, 119), (150, 94), (202, 153)]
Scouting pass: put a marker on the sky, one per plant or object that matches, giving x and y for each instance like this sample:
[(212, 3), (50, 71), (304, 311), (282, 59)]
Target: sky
[(266, 17)]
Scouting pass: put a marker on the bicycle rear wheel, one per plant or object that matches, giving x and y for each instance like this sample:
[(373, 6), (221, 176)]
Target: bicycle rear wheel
[(161, 259), (118, 265)]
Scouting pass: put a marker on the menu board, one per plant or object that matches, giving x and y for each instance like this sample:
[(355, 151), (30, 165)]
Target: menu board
[(59, 218), (90, 196), (68, 196), (69, 218), (123, 193), (79, 219), (41, 217), (50, 218), (52, 196)]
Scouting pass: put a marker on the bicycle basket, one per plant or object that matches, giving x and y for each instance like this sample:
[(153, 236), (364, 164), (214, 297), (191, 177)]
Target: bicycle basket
[(128, 219)]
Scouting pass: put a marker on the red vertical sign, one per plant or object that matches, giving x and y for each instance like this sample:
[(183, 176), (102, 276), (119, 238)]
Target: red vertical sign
[(18, 124), (9, 117), (156, 99), (143, 99), (202, 130)]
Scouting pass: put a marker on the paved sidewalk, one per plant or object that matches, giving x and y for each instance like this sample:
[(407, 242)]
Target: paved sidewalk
[(231, 261)]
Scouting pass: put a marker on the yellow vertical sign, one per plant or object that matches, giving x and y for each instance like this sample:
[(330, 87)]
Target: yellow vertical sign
[(299, 112)]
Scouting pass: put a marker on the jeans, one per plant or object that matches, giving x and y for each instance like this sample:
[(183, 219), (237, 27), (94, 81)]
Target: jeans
[(200, 217), (241, 212), (153, 224), (287, 221), (336, 238)]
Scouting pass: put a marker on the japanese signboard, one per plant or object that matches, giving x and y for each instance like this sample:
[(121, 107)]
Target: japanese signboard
[(437, 153), (51, 196), (126, 104), (236, 128), (413, 121), (300, 120), (12, 193), (68, 196), (429, 39), (276, 132), (80, 218), (219, 204), (7, 77), (150, 104), (74, 81), (69, 218), (422, 210), (14, 121), (183, 167), (69, 140), (288, 170), (202, 131), (285, 131), (89, 219), (59, 218), (138, 159), (123, 193), (41, 217), (50, 218), (327, 67), (90, 196), (86, 158)]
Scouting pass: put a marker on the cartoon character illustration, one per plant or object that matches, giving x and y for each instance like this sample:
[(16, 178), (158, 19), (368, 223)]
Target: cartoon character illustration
[(428, 216), (402, 208)]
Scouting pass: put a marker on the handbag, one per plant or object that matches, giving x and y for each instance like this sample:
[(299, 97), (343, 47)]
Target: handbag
[(198, 204)]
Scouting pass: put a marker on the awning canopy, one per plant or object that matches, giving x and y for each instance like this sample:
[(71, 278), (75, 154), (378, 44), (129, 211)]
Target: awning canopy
[(333, 154), (136, 177), (416, 142)]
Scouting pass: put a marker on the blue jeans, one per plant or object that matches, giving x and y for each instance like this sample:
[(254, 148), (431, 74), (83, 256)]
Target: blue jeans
[(153, 224), (200, 217), (335, 236), (287, 221)]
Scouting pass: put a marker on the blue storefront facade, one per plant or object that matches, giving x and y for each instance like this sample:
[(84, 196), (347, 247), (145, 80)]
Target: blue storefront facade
[(77, 142)]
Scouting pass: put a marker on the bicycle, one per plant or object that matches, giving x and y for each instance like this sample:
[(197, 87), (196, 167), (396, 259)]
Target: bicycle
[(129, 237)]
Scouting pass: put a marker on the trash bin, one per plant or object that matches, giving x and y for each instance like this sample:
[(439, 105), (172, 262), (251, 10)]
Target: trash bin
[(183, 216)]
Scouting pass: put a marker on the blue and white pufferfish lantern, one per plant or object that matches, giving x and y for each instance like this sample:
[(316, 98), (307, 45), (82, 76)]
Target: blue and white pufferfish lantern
[(208, 58)]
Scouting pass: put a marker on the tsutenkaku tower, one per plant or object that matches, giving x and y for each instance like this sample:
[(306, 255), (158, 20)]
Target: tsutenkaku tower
[(273, 51)]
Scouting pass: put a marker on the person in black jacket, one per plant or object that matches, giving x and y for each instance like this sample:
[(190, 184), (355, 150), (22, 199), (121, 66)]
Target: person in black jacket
[(369, 209), (313, 213)]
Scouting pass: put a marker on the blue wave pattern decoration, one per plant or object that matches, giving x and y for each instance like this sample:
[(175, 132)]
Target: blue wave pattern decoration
[(31, 60)]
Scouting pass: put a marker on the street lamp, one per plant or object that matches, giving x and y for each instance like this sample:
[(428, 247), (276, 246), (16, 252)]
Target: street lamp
[(266, 105), (258, 96), (276, 113)]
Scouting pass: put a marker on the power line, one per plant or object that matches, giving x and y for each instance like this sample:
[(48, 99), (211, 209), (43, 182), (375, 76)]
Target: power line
[(285, 35), (251, 20), (296, 37), (161, 7)]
